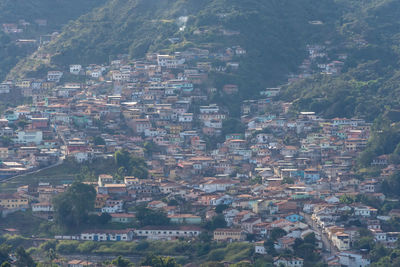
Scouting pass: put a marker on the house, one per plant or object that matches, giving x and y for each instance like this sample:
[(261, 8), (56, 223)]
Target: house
[(341, 241), (248, 225), (81, 156), (285, 242), (229, 215), (215, 185), (3, 153), (229, 235), (169, 61), (10, 201), (350, 259), (332, 200), (184, 219), (75, 69), (113, 206), (156, 204), (105, 179), (364, 211), (107, 235), (54, 76), (294, 217), (259, 248), (42, 207), (288, 261), (122, 217), (139, 125), (29, 136), (168, 232)]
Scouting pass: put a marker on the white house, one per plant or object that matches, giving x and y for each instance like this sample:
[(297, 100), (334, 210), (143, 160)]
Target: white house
[(259, 248), (96, 74), (215, 185), (81, 156), (288, 261), (42, 207), (29, 136), (168, 232), (75, 69), (363, 211), (186, 117), (332, 200), (350, 259), (107, 235), (4, 88), (169, 61), (54, 76), (113, 206)]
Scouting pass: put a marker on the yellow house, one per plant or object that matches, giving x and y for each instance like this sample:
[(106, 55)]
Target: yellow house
[(9, 201), (175, 129), (3, 153), (48, 85), (341, 241), (23, 84), (131, 114), (101, 200), (229, 235)]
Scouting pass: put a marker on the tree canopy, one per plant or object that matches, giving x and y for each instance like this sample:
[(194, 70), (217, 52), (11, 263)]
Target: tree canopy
[(71, 208)]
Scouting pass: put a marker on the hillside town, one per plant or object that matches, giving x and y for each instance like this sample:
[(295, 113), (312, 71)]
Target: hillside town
[(265, 170)]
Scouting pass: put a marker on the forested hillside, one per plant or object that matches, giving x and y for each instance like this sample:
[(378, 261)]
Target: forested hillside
[(274, 33), (368, 86), (369, 83), (55, 12)]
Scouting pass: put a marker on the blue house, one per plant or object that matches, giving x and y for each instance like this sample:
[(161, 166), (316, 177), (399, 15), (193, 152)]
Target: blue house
[(294, 217)]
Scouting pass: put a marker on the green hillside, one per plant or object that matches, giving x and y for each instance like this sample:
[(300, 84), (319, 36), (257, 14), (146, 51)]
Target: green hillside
[(274, 33), (56, 12), (369, 84)]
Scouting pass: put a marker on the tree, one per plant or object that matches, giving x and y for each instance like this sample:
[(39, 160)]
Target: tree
[(6, 264), (23, 258), (4, 250), (85, 175), (220, 208), (122, 158), (22, 123), (121, 262), (150, 147), (270, 247), (138, 168), (346, 199), (310, 239), (216, 222), (52, 255), (232, 125), (147, 216), (99, 141), (72, 207), (134, 166), (102, 219), (277, 233), (157, 261)]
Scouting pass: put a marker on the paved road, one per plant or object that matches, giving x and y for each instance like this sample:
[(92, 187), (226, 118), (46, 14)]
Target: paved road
[(327, 245)]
